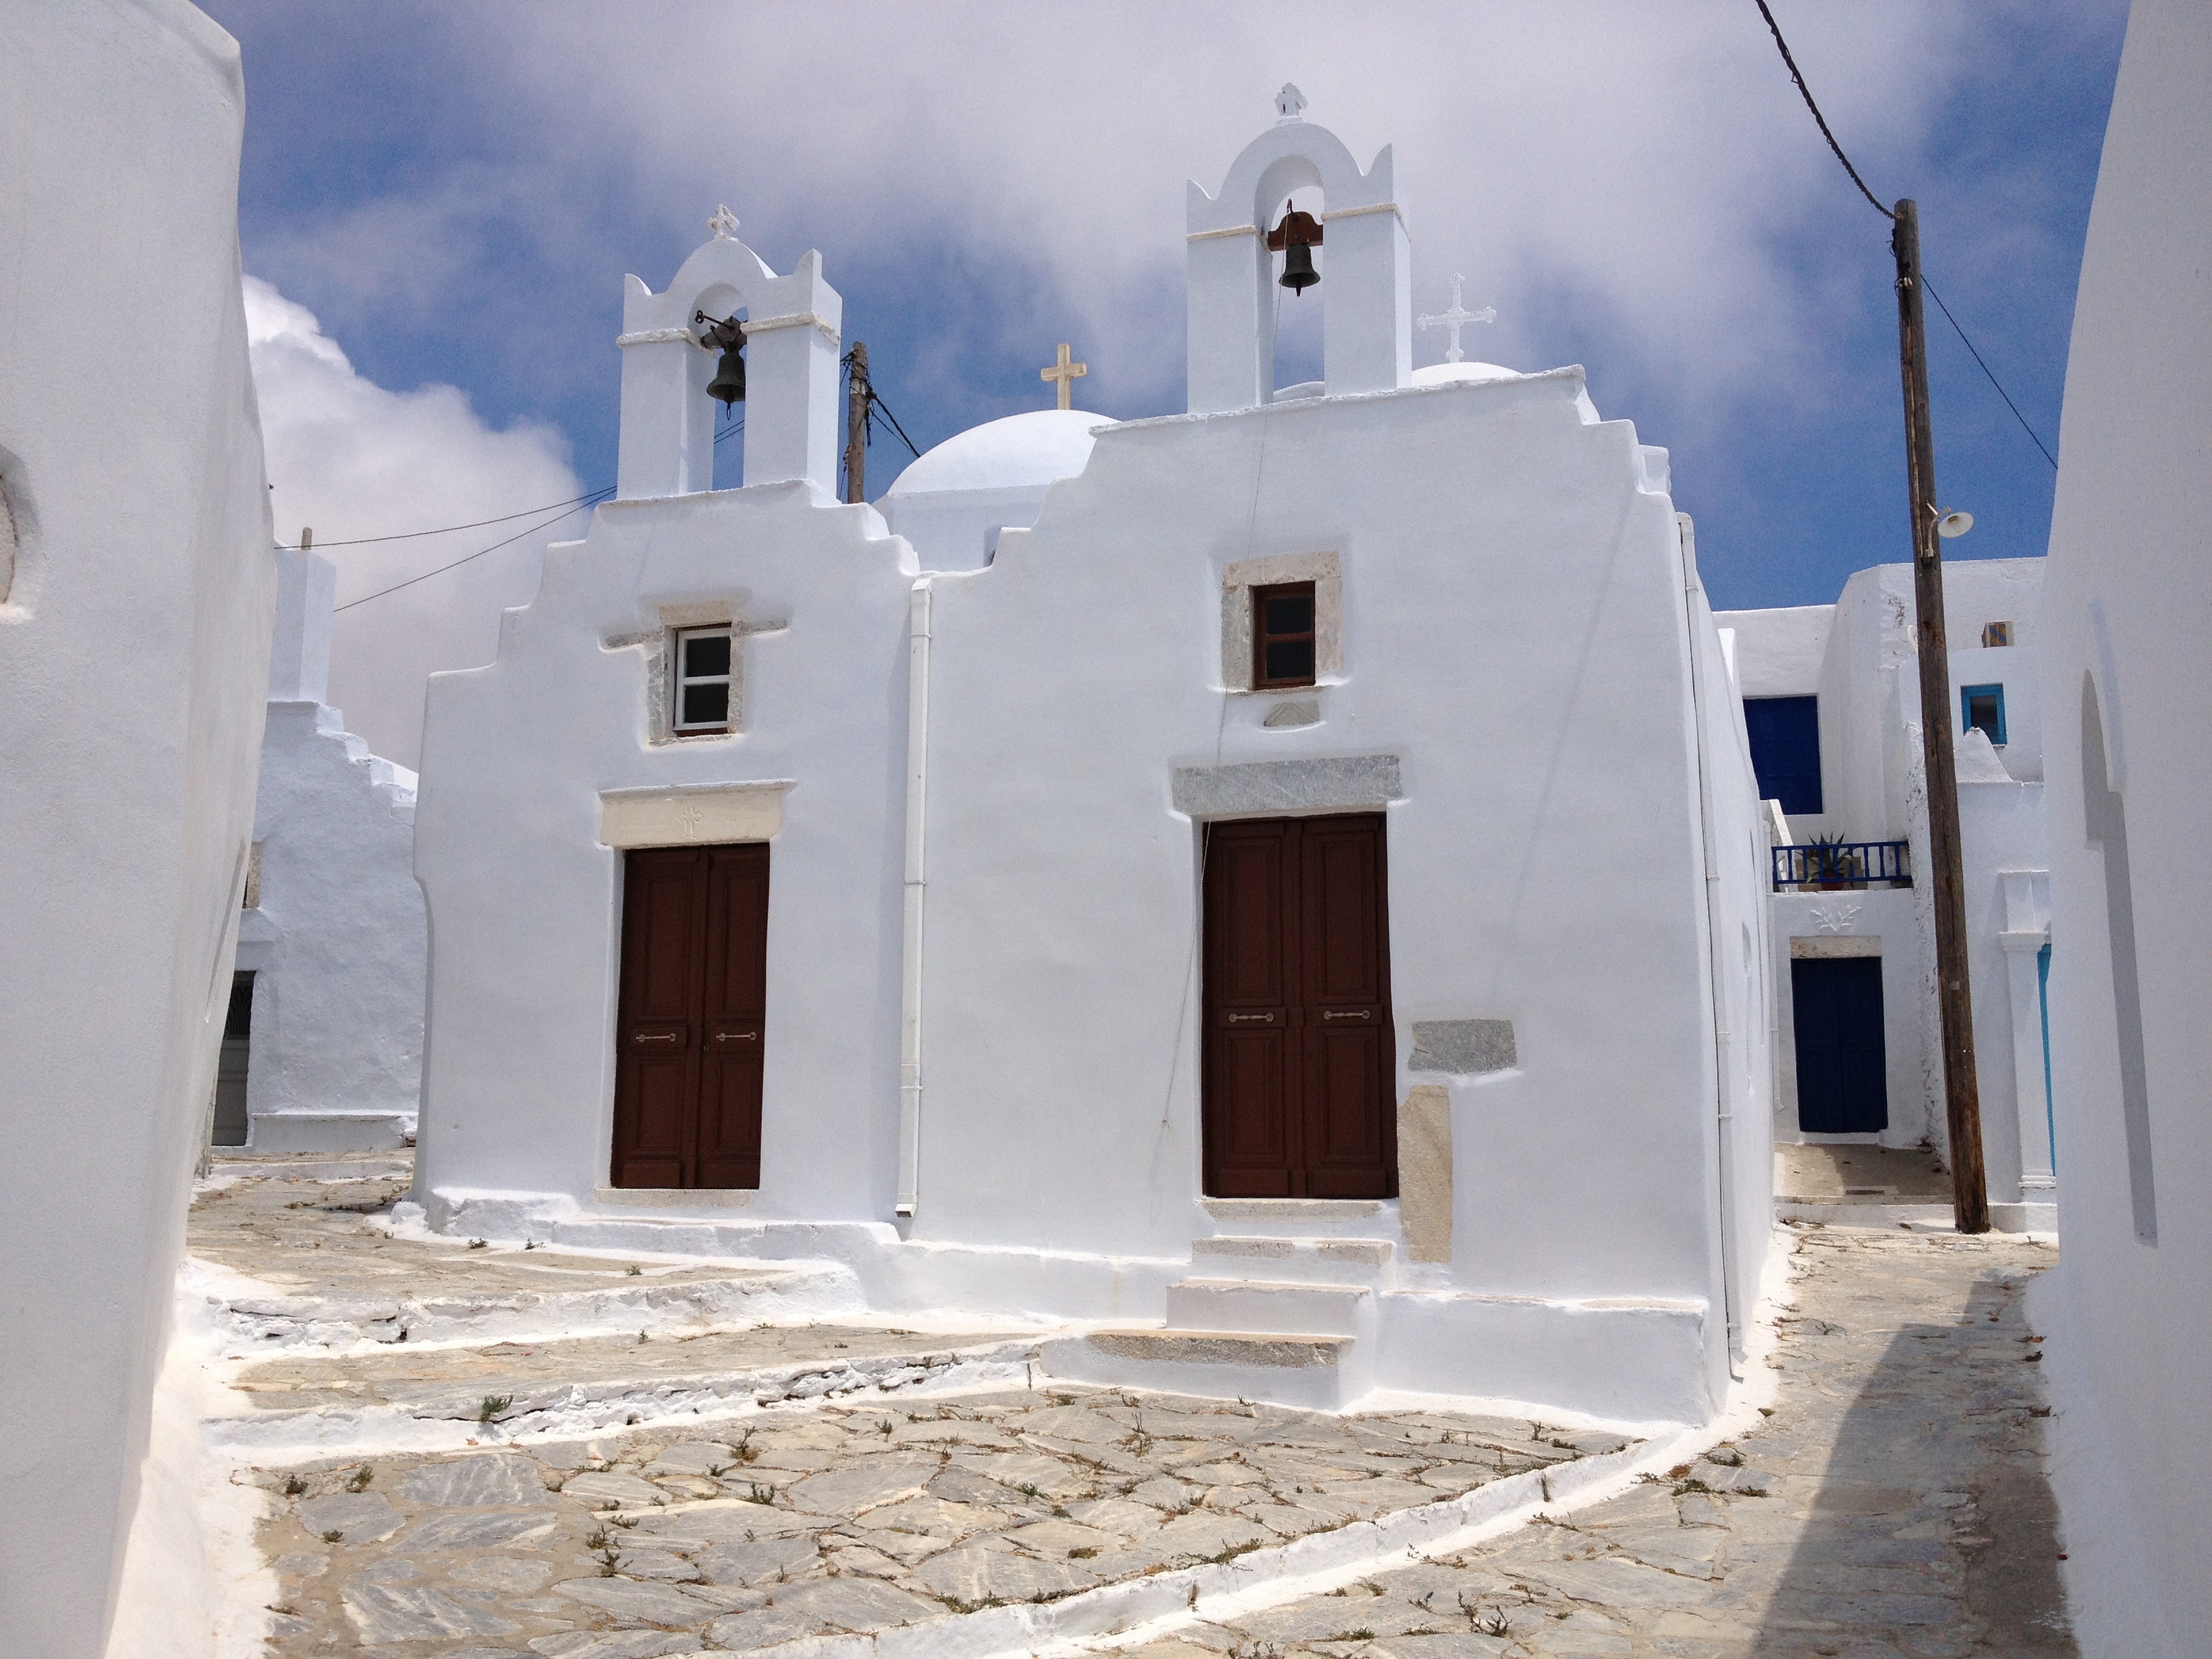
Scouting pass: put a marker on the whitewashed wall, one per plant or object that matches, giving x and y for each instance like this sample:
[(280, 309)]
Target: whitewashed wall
[(133, 631), (2130, 589), (337, 945)]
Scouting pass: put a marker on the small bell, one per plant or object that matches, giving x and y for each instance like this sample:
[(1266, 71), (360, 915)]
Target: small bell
[(726, 336), (1297, 234), (728, 385)]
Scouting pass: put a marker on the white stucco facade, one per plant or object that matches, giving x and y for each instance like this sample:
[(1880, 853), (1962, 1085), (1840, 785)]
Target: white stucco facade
[(2127, 684), (135, 587), (985, 786), (334, 933), (1857, 656)]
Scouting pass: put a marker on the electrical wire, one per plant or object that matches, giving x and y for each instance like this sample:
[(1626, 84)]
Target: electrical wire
[(1791, 65), (592, 500), (1795, 74), (876, 402), (1984, 367), (411, 535)]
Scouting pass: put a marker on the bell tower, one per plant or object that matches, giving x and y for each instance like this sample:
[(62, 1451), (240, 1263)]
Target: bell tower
[(791, 332), (1367, 340)]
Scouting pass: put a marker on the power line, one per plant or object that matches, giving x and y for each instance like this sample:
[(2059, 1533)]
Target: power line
[(1797, 75), (1791, 63), (1994, 381), (411, 535), (592, 499), (876, 402)]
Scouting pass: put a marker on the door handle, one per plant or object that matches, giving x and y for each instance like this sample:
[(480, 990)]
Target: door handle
[(658, 1036), (737, 1036), (1347, 1014), (1240, 1019)]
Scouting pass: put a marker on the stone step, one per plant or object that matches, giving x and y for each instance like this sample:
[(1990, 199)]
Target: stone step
[(1307, 1260), (1258, 1305), (1281, 1367)]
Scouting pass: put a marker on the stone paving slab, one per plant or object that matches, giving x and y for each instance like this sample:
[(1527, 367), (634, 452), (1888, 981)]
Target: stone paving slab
[(1892, 1505), (1851, 1173), (842, 1518)]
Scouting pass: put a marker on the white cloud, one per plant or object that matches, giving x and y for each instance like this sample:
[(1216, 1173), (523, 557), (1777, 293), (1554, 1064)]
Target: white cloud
[(1640, 163), (352, 459)]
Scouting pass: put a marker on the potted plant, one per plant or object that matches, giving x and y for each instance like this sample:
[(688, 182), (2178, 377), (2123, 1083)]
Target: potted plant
[(1833, 867)]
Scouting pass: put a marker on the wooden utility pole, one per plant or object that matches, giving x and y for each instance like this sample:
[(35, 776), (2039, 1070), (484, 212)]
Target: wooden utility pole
[(1970, 1196), (856, 424)]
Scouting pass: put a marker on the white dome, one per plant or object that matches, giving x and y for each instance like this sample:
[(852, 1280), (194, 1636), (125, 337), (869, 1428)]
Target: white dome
[(1444, 373), (1015, 451)]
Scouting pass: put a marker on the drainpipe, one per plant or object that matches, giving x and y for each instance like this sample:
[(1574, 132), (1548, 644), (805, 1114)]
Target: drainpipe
[(917, 792), (1687, 540)]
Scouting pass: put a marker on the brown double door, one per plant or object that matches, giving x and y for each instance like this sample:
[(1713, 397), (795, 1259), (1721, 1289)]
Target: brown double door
[(1300, 1058), (689, 1029)]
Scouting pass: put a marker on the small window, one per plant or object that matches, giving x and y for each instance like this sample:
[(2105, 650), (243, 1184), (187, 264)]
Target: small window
[(1984, 706), (1997, 634), (702, 680), (1282, 635)]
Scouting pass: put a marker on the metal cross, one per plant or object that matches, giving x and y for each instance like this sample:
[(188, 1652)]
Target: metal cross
[(724, 224), (1456, 318), (1064, 373)]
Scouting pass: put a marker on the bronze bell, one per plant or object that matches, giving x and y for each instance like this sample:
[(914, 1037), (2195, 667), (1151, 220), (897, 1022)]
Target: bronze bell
[(728, 385), (1292, 238), (727, 336)]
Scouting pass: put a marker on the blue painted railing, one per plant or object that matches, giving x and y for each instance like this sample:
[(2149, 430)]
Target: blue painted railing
[(1842, 864)]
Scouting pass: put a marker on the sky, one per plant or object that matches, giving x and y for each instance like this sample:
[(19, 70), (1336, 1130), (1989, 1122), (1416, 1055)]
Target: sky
[(439, 202)]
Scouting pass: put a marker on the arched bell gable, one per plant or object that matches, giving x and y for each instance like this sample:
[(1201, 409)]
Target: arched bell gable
[(1367, 283), (792, 325)]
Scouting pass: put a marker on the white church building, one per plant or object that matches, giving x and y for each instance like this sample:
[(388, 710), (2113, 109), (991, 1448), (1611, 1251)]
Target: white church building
[(323, 1049), (1277, 890)]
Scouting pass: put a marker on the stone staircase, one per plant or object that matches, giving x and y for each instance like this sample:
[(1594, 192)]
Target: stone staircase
[(1277, 1318)]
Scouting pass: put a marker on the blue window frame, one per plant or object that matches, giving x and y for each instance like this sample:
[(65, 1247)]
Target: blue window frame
[(1983, 706), (1785, 750)]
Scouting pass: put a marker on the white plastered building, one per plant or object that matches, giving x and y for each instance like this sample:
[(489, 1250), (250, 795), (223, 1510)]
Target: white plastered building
[(135, 585), (2126, 689), (333, 949), (1278, 888), (1833, 703)]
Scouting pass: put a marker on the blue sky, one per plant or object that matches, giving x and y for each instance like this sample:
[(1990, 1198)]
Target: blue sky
[(456, 193)]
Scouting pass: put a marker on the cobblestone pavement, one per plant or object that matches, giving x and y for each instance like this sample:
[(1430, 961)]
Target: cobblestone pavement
[(1893, 1505), (840, 1518)]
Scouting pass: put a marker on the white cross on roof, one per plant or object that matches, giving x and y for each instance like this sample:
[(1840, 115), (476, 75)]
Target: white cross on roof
[(1456, 318)]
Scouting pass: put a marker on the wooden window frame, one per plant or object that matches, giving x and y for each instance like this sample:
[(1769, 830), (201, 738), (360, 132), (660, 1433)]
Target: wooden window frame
[(1261, 639), (679, 682)]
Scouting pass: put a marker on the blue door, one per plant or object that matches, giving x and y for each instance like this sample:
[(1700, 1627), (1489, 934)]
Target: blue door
[(1840, 1059)]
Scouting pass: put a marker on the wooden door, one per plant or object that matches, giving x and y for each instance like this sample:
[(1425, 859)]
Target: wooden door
[(691, 1026), (1842, 1062), (1299, 1061)]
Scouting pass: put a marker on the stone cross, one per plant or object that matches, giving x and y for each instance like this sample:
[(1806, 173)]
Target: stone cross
[(1064, 373), (1456, 318), (724, 224), (1290, 103)]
